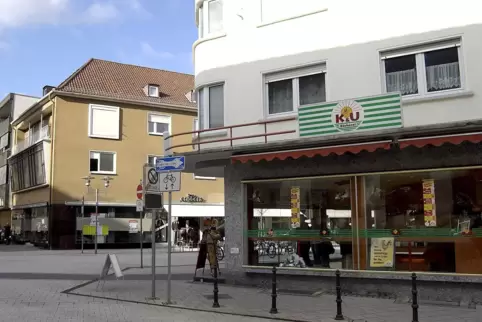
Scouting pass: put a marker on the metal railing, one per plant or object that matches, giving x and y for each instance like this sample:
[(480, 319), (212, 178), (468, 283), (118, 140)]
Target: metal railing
[(197, 140), (31, 139)]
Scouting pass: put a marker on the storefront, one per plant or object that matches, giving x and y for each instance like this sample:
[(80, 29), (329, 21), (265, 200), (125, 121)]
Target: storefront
[(377, 214), (31, 223)]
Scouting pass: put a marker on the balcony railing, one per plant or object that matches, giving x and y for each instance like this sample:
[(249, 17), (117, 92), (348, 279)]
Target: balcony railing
[(33, 138), (198, 141)]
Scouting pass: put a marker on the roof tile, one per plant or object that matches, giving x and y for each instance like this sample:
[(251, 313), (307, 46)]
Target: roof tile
[(123, 81)]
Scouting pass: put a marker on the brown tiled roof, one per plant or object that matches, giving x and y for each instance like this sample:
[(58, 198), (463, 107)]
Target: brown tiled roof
[(127, 82)]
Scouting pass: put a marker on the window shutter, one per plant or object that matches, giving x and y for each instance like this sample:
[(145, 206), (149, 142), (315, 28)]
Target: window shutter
[(159, 118), (295, 72), (412, 50), (104, 122)]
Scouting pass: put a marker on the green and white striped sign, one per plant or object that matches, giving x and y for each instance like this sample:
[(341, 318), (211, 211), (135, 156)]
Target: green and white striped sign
[(351, 115)]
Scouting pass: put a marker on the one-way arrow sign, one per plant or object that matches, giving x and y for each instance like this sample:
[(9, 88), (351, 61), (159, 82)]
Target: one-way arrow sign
[(167, 164)]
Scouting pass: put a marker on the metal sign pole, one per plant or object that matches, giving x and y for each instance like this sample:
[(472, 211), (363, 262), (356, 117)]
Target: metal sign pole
[(153, 249), (82, 224), (96, 217), (169, 248), (142, 238)]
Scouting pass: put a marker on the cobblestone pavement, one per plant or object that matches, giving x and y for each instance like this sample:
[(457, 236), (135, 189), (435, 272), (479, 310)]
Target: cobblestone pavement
[(42, 301), (297, 307)]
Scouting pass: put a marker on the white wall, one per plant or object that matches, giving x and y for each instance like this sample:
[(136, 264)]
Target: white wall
[(247, 52), (21, 103), (346, 22)]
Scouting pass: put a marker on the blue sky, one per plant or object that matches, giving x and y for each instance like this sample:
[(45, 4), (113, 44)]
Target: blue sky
[(43, 41)]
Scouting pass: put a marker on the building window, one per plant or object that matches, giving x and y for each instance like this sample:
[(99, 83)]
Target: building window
[(423, 70), (153, 90), (215, 16), (27, 169), (211, 107), (103, 162), (158, 124), (152, 159), (104, 121), (287, 90)]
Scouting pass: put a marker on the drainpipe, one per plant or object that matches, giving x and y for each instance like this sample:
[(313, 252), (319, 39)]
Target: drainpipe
[(51, 179)]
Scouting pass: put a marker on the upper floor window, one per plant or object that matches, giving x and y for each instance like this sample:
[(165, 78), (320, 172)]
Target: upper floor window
[(103, 162), (104, 121), (423, 70), (211, 106), (28, 169), (285, 91), (158, 124), (276, 10), (153, 90), (211, 18)]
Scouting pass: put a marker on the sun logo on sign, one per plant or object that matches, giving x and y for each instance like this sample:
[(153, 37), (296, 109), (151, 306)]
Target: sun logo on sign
[(347, 115)]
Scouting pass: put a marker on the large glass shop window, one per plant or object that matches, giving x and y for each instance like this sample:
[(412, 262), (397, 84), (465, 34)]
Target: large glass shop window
[(428, 221), (425, 221), (290, 223)]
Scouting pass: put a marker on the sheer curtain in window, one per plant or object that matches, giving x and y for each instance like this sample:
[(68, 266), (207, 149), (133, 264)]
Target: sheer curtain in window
[(216, 106), (404, 81), (215, 16), (280, 96), (443, 76), (312, 89)]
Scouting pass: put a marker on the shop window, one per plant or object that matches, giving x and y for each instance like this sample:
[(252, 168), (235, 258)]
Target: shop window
[(287, 90), (432, 220), (293, 217), (423, 70)]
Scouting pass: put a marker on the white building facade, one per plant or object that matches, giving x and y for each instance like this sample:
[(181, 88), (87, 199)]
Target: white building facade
[(359, 124)]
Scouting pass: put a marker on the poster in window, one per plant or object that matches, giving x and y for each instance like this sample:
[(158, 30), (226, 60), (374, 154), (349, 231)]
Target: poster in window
[(382, 252), (133, 226), (295, 207), (429, 211)]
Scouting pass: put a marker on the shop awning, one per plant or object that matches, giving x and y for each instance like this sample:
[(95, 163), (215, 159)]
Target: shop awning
[(203, 211), (440, 140), (321, 151)]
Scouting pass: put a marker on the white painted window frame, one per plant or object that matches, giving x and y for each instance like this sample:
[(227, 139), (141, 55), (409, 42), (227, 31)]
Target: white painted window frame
[(204, 19), (104, 172), (155, 88), (158, 114), (419, 52), (205, 89), (294, 74), (90, 120)]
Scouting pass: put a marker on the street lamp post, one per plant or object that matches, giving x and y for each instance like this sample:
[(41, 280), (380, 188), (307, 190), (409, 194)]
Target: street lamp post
[(106, 185)]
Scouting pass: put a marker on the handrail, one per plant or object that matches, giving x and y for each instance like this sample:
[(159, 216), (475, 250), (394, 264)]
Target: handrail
[(230, 128)]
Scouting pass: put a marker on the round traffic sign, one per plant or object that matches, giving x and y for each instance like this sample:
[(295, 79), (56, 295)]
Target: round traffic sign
[(139, 192), (152, 176)]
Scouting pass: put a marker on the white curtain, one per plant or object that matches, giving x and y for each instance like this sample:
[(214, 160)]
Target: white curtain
[(443, 76), (280, 96), (404, 81), (312, 89)]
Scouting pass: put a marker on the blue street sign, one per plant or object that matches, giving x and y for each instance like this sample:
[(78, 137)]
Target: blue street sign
[(167, 164)]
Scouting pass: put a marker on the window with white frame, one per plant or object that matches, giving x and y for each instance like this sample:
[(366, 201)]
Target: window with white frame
[(211, 18), (103, 162), (275, 10), (158, 124), (287, 90), (422, 70), (153, 90), (152, 159), (211, 106), (104, 121)]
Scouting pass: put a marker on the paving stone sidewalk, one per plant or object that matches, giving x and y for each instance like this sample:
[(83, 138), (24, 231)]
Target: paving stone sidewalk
[(257, 302)]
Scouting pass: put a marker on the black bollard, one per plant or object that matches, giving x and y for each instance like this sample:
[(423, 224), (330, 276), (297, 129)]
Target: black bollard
[(273, 310), (414, 298), (339, 314), (215, 291)]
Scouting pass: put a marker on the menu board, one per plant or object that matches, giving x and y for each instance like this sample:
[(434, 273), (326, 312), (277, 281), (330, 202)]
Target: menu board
[(429, 211), (295, 207), (382, 252)]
